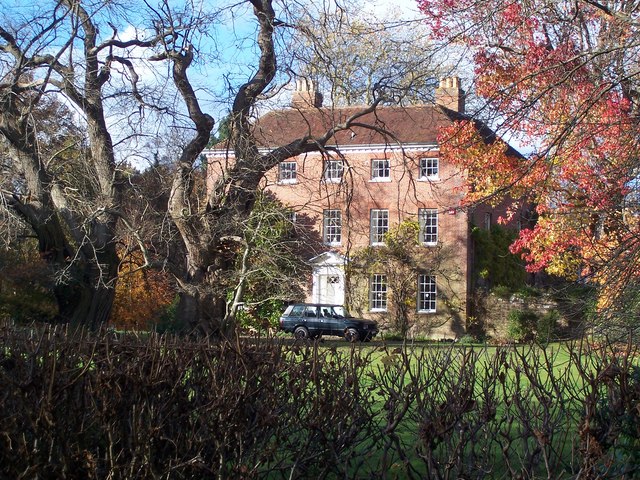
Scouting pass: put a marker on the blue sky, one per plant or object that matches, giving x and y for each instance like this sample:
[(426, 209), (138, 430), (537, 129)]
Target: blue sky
[(227, 49)]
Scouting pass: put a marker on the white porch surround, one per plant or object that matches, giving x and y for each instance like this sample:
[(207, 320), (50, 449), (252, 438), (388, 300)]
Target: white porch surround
[(328, 278)]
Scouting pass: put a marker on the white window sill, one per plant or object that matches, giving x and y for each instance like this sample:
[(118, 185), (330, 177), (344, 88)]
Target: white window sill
[(378, 244), (426, 311), (430, 244), (333, 244), (287, 182), (380, 180), (429, 179), (333, 180), (378, 310)]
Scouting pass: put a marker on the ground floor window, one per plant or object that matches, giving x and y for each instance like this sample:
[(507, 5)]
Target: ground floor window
[(378, 293), (427, 293)]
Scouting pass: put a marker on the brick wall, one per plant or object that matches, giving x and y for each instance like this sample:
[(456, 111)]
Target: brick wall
[(402, 195)]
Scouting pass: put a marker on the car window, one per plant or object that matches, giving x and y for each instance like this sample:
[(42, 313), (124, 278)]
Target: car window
[(340, 312), (310, 312), (327, 312), (297, 311)]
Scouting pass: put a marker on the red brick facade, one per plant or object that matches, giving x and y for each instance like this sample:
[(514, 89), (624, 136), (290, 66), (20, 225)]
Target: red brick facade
[(381, 171)]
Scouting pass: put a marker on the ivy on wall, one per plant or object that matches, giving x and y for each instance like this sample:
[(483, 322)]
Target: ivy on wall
[(494, 264)]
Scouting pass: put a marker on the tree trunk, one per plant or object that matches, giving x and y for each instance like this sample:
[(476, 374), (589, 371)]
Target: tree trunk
[(202, 302), (86, 299), (204, 313), (84, 305)]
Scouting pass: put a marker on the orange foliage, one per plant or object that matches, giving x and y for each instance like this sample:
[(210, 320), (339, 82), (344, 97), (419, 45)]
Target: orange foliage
[(142, 295)]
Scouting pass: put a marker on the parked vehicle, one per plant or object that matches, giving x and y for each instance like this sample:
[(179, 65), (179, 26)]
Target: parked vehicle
[(312, 320)]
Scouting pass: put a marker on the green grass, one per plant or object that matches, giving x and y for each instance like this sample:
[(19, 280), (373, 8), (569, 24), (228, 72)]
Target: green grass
[(531, 374)]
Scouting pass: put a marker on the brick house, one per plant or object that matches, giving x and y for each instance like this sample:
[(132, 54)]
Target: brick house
[(367, 182)]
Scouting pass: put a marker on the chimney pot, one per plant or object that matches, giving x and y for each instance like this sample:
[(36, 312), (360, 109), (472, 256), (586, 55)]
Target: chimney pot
[(305, 94), (450, 95)]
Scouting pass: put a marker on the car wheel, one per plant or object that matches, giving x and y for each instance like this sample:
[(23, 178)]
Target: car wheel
[(301, 333), (351, 335)]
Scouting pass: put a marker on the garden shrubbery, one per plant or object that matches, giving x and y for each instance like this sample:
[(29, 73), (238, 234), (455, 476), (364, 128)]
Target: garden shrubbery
[(121, 406), (528, 326)]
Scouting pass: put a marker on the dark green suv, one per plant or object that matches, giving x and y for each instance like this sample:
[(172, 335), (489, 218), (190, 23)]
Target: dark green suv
[(312, 320)]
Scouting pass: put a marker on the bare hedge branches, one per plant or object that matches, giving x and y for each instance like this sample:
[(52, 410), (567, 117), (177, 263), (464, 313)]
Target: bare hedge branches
[(163, 407)]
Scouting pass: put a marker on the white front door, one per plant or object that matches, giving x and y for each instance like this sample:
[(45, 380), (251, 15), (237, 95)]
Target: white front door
[(328, 279), (331, 288)]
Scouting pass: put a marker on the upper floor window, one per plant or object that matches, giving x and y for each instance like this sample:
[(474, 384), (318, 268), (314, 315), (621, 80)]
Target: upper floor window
[(380, 170), (379, 225), (378, 293), (428, 219), (428, 168), (488, 219), (333, 170), (427, 293), (287, 172), (332, 227)]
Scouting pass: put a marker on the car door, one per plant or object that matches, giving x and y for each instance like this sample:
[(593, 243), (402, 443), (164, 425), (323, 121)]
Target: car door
[(312, 321), (332, 322), (325, 317)]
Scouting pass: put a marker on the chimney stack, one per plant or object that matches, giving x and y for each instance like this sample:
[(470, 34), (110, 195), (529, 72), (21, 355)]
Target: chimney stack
[(450, 95), (305, 94)]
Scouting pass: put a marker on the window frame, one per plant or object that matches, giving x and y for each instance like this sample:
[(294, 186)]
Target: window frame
[(292, 176), (331, 168), (378, 292), (423, 215), (385, 168), (291, 216), (427, 286), (378, 231), (487, 221), (423, 169), (329, 229)]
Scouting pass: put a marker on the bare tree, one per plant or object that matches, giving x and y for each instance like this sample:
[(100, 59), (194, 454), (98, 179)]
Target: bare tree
[(64, 53), (58, 57), (351, 53), (43, 203), (212, 231)]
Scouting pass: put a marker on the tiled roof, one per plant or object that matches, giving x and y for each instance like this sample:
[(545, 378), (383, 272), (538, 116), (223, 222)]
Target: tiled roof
[(419, 124), (408, 125)]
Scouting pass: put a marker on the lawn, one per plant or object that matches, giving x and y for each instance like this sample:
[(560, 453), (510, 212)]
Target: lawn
[(493, 412)]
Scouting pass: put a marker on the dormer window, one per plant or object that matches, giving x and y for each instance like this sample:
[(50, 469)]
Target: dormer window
[(380, 170), (287, 172), (428, 168)]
